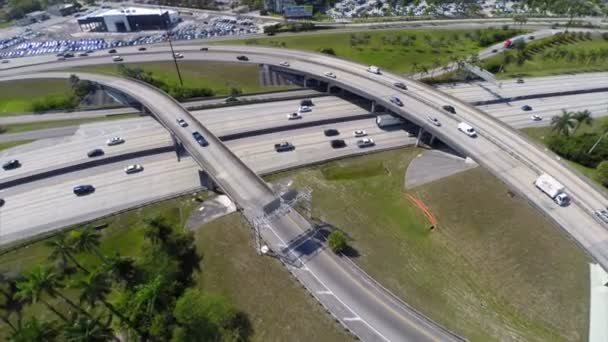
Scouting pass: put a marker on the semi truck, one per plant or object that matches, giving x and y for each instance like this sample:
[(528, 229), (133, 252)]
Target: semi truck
[(387, 120), (552, 188), (513, 42)]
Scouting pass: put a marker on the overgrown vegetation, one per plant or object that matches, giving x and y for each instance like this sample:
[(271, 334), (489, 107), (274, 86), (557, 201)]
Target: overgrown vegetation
[(78, 90), (560, 53), (396, 50)]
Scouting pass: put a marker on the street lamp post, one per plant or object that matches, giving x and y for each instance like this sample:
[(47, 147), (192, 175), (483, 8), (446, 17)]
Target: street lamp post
[(2, 201)]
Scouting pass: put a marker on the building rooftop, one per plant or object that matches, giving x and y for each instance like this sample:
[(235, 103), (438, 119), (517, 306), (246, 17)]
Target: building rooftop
[(129, 11)]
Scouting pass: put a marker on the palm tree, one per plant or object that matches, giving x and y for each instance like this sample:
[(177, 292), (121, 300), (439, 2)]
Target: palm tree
[(88, 329), (562, 124), (96, 287), (86, 240), (62, 248), (43, 280), (35, 330), (11, 304), (120, 268), (582, 117)]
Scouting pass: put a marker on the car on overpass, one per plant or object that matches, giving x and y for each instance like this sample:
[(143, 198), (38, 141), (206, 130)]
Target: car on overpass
[(467, 129), (396, 101), (242, 58), (284, 63), (374, 69), (117, 59), (449, 108), (200, 139), (181, 122), (330, 74), (433, 120), (82, 190), (400, 85), (284, 147), (536, 117)]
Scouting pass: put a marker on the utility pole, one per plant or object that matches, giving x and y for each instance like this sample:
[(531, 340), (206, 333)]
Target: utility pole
[(1, 205), (179, 75)]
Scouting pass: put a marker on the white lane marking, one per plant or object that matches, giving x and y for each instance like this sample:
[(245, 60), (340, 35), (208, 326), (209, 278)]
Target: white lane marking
[(325, 292), (351, 319)]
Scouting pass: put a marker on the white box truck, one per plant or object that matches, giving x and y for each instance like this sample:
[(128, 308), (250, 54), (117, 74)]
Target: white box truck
[(387, 120), (552, 188), (467, 129)]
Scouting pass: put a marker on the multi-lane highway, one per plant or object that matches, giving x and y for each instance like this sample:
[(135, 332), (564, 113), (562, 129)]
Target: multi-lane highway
[(503, 151)]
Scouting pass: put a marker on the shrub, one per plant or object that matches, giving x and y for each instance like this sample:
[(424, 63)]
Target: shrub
[(602, 173), (337, 241), (328, 51), (55, 102), (575, 148)]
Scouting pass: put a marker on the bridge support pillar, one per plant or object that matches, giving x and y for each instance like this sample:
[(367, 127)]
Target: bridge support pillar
[(206, 180), (178, 146), (419, 137), (373, 109), (432, 140)]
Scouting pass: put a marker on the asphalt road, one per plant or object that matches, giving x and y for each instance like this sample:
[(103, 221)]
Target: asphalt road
[(506, 153)]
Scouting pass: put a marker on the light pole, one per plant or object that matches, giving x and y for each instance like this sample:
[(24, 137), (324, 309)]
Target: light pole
[(2, 201), (179, 75)]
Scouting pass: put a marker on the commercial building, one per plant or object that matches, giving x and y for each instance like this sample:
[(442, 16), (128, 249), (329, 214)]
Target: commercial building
[(128, 19), (37, 16)]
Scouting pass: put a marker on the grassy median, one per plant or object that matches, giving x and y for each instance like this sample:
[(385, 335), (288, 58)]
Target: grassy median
[(493, 269), (19, 96)]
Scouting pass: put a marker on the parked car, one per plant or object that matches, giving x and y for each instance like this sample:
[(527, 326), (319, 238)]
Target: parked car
[(294, 116), (331, 132), (400, 85), (304, 109), (337, 143), (242, 58), (181, 122), (536, 117), (396, 101), (133, 169), (359, 133), (11, 164), (330, 74), (115, 141), (526, 108), (82, 190), (284, 63), (95, 153), (434, 120), (200, 139), (283, 147), (365, 142), (449, 109)]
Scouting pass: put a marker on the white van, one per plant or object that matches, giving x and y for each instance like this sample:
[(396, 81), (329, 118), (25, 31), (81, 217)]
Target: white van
[(467, 129), (374, 69)]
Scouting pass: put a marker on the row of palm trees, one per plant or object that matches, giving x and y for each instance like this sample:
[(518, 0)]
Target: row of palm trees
[(82, 321), (569, 122)]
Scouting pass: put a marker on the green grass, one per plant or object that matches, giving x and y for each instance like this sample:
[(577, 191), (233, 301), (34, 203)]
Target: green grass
[(493, 269), (31, 126), (220, 77), (18, 96), (398, 58), (539, 66), (278, 307), (9, 144)]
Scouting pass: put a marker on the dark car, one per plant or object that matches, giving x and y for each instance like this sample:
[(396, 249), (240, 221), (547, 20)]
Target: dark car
[(242, 58), (95, 153), (11, 164), (306, 102), (520, 81), (400, 85), (230, 99), (200, 139), (396, 101), (204, 49), (82, 190), (142, 49), (494, 50), (526, 108), (68, 55), (331, 132), (338, 143), (449, 109), (112, 51), (284, 147)]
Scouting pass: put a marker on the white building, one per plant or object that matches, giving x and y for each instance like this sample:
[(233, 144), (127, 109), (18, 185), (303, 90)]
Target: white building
[(129, 19)]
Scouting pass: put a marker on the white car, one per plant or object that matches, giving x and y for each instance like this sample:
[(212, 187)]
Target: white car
[(181, 122), (535, 117), (359, 133), (365, 142), (115, 141), (434, 120), (117, 59), (133, 169), (374, 69), (330, 74), (178, 55), (304, 109), (294, 116), (284, 63)]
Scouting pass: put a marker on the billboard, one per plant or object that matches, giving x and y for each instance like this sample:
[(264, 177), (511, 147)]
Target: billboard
[(298, 11)]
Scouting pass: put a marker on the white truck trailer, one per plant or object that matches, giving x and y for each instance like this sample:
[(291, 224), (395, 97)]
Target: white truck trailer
[(552, 188)]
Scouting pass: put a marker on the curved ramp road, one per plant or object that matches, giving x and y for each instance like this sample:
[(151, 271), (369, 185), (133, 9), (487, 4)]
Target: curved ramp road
[(368, 310)]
